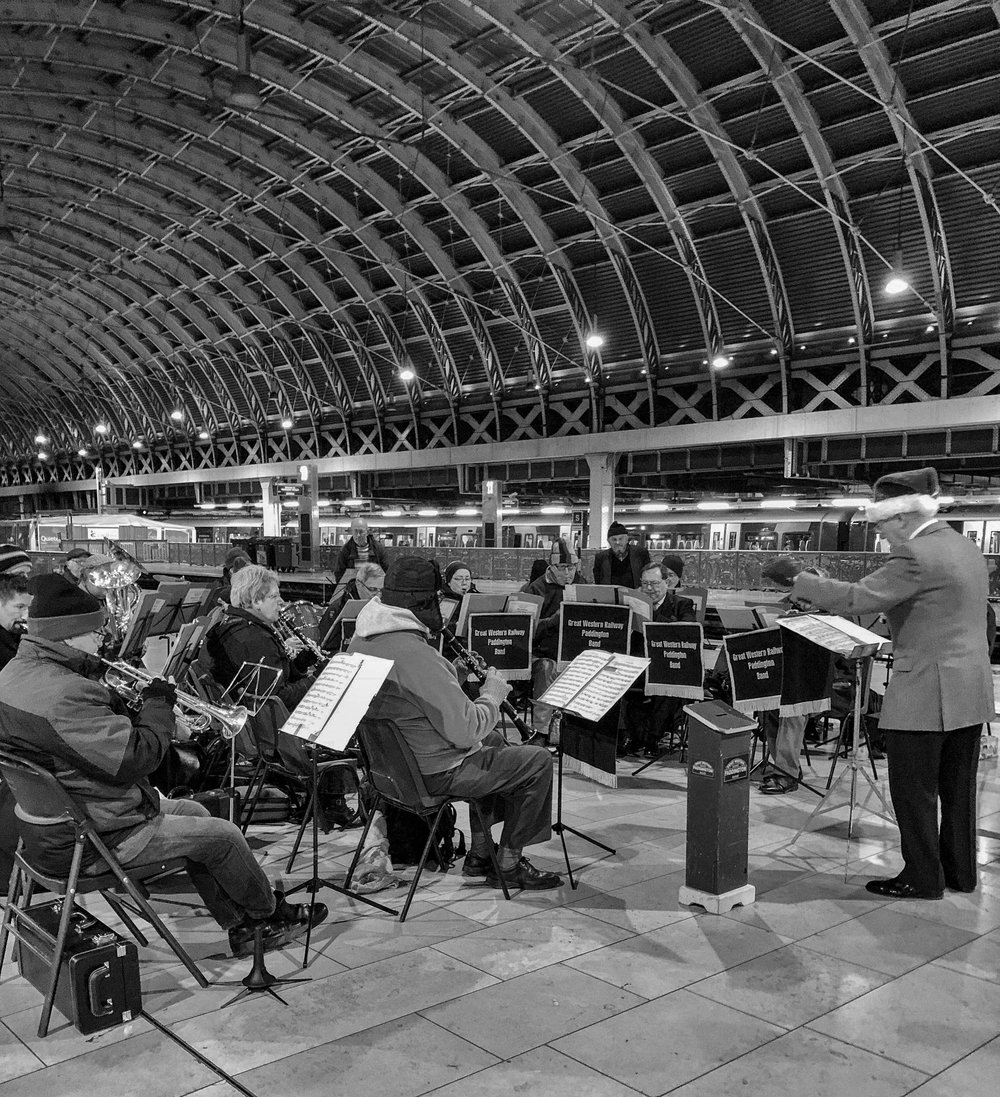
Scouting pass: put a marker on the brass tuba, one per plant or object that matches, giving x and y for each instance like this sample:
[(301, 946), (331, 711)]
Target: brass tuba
[(117, 578)]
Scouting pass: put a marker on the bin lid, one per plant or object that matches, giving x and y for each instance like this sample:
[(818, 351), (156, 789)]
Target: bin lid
[(720, 717)]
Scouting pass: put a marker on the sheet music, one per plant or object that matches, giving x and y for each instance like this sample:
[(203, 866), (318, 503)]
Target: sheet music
[(638, 604), (524, 603), (607, 686), (836, 634), (592, 683), (330, 712)]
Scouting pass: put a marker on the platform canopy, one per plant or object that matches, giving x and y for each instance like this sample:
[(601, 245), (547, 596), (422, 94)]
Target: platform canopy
[(240, 231)]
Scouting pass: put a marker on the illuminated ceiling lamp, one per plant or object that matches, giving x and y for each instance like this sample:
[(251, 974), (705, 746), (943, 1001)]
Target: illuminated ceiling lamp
[(720, 360), (244, 92), (897, 281), (406, 374), (595, 340)]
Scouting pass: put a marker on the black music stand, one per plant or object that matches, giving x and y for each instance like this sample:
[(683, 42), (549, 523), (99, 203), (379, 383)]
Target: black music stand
[(855, 766), (561, 828), (315, 882), (260, 980)]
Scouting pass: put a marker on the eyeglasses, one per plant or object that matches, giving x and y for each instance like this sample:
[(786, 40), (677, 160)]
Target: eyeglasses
[(375, 588), (652, 584)]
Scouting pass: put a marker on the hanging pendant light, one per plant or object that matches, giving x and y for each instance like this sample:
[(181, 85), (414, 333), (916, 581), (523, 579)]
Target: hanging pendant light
[(244, 92)]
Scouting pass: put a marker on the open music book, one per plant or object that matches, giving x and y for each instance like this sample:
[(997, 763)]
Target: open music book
[(592, 683), (836, 634), (330, 712)]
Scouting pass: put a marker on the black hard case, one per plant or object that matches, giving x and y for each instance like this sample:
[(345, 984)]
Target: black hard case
[(98, 984)]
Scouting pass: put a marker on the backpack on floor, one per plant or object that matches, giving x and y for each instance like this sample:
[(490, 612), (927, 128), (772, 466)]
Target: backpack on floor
[(408, 835)]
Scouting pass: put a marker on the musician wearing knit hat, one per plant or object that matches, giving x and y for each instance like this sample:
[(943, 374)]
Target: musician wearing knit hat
[(621, 563), (53, 709), (933, 590), (14, 561), (455, 740)]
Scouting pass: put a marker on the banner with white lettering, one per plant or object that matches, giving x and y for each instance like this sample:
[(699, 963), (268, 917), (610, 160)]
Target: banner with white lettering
[(503, 641), (583, 626), (676, 664), (755, 665)]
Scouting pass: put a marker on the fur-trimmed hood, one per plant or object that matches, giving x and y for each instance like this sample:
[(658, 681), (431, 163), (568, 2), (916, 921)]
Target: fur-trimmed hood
[(375, 618)]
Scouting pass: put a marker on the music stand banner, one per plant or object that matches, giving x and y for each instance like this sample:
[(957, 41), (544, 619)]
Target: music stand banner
[(584, 626), (676, 663), (503, 641), (806, 676), (755, 662)]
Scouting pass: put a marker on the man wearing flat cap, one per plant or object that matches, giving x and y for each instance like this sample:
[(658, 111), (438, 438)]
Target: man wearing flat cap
[(454, 740), (620, 564), (932, 590)]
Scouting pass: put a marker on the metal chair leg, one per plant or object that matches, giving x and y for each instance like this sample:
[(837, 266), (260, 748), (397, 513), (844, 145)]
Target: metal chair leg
[(423, 860), (13, 894), (376, 807), (123, 914), (69, 899)]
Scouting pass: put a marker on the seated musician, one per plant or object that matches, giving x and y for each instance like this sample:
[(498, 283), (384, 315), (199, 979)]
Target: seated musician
[(55, 713), (649, 718), (457, 580), (367, 582), (561, 571), (247, 634), (454, 741), (14, 601)]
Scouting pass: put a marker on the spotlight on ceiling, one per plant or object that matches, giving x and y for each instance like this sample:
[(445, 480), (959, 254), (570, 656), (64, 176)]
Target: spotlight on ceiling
[(42, 456), (406, 375), (138, 443), (101, 428), (720, 361), (203, 435), (244, 92), (82, 451), (40, 439), (595, 340), (898, 281), (287, 423), (177, 415)]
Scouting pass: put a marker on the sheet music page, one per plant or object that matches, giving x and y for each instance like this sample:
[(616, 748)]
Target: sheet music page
[(833, 633), (524, 603), (330, 712), (639, 604), (607, 686), (575, 677)]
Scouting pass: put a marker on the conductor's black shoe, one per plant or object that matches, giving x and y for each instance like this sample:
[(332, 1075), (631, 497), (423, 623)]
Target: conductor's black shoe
[(474, 865), (899, 889), (526, 877)]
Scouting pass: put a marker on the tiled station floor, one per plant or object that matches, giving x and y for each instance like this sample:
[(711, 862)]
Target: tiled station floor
[(610, 990)]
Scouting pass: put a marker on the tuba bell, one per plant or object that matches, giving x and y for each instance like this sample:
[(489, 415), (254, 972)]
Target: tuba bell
[(117, 578)]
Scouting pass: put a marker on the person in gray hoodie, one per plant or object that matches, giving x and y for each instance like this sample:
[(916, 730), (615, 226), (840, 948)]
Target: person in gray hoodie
[(454, 739)]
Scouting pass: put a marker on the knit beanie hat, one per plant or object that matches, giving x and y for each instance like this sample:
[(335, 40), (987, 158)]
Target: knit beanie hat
[(455, 565), (561, 553), (616, 529), (673, 563), (61, 610), (11, 556), (911, 492), (410, 580)]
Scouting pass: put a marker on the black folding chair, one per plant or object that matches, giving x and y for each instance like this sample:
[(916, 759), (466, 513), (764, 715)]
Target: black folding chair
[(40, 796), (393, 774)]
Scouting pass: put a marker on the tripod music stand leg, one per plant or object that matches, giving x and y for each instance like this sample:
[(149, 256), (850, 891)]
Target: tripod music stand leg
[(562, 829)]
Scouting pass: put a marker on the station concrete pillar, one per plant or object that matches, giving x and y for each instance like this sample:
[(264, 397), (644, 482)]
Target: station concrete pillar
[(272, 508), (492, 514), (602, 497), (309, 537)]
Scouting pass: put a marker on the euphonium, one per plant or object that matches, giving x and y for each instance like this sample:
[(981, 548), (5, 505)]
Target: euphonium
[(128, 681), (117, 578)]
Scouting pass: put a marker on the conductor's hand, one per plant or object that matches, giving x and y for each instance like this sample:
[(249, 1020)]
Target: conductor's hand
[(495, 687), (160, 687), (781, 572)]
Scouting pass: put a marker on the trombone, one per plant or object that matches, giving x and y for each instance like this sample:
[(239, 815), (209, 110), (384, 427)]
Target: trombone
[(128, 682)]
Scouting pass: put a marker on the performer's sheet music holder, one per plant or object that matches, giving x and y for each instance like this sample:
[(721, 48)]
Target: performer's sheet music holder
[(849, 641), (587, 688), (253, 686)]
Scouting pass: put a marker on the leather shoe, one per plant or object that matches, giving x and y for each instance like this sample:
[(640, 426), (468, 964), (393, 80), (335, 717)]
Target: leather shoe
[(526, 877), (474, 865), (774, 784), (899, 889)]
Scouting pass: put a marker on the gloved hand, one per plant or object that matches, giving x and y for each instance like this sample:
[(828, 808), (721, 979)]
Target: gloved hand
[(781, 571), (160, 687), (495, 688)]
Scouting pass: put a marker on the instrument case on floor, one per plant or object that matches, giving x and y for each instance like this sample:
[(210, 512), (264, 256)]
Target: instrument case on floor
[(98, 984)]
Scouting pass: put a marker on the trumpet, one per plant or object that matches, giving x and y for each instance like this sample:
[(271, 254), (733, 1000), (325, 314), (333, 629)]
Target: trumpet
[(128, 682), (288, 631)]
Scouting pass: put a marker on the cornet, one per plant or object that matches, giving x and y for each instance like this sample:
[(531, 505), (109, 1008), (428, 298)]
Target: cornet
[(128, 682)]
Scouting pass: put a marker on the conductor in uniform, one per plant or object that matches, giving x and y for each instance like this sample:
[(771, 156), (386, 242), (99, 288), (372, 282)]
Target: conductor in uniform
[(932, 590)]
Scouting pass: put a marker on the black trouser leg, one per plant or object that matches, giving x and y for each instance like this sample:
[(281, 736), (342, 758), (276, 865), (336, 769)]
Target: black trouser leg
[(914, 764), (957, 781)]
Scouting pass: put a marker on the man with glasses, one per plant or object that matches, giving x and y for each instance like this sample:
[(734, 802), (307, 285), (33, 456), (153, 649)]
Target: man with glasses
[(933, 590), (56, 713), (649, 718), (561, 571)]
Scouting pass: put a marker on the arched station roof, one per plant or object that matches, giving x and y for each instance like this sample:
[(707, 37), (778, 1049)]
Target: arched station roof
[(275, 211)]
